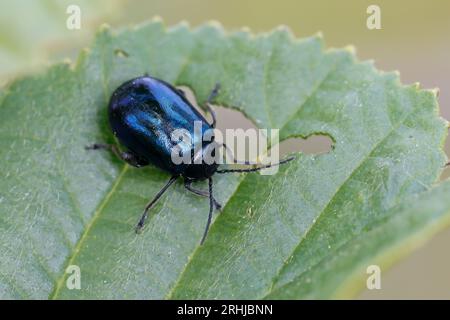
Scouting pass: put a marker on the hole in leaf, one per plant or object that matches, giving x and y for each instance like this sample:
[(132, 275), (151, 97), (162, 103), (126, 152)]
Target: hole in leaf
[(121, 53), (233, 119), (314, 144), (446, 172)]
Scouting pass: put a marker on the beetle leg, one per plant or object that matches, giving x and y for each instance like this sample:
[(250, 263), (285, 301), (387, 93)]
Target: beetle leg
[(214, 93), (188, 186), (211, 205), (211, 97), (128, 156), (149, 205)]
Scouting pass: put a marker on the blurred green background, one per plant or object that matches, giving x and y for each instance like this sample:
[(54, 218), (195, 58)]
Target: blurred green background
[(414, 39)]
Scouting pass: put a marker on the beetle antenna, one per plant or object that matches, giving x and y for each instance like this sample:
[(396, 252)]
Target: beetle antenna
[(152, 202), (211, 209), (257, 168)]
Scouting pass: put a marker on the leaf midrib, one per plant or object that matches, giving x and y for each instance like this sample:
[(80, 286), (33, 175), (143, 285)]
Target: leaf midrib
[(76, 250)]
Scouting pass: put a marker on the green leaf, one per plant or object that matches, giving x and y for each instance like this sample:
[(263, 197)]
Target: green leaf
[(405, 227), (61, 205)]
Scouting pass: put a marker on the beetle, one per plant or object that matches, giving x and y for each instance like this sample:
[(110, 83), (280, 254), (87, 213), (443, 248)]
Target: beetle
[(143, 112)]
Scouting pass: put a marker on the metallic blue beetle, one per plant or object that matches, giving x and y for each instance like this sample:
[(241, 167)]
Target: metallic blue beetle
[(143, 113)]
